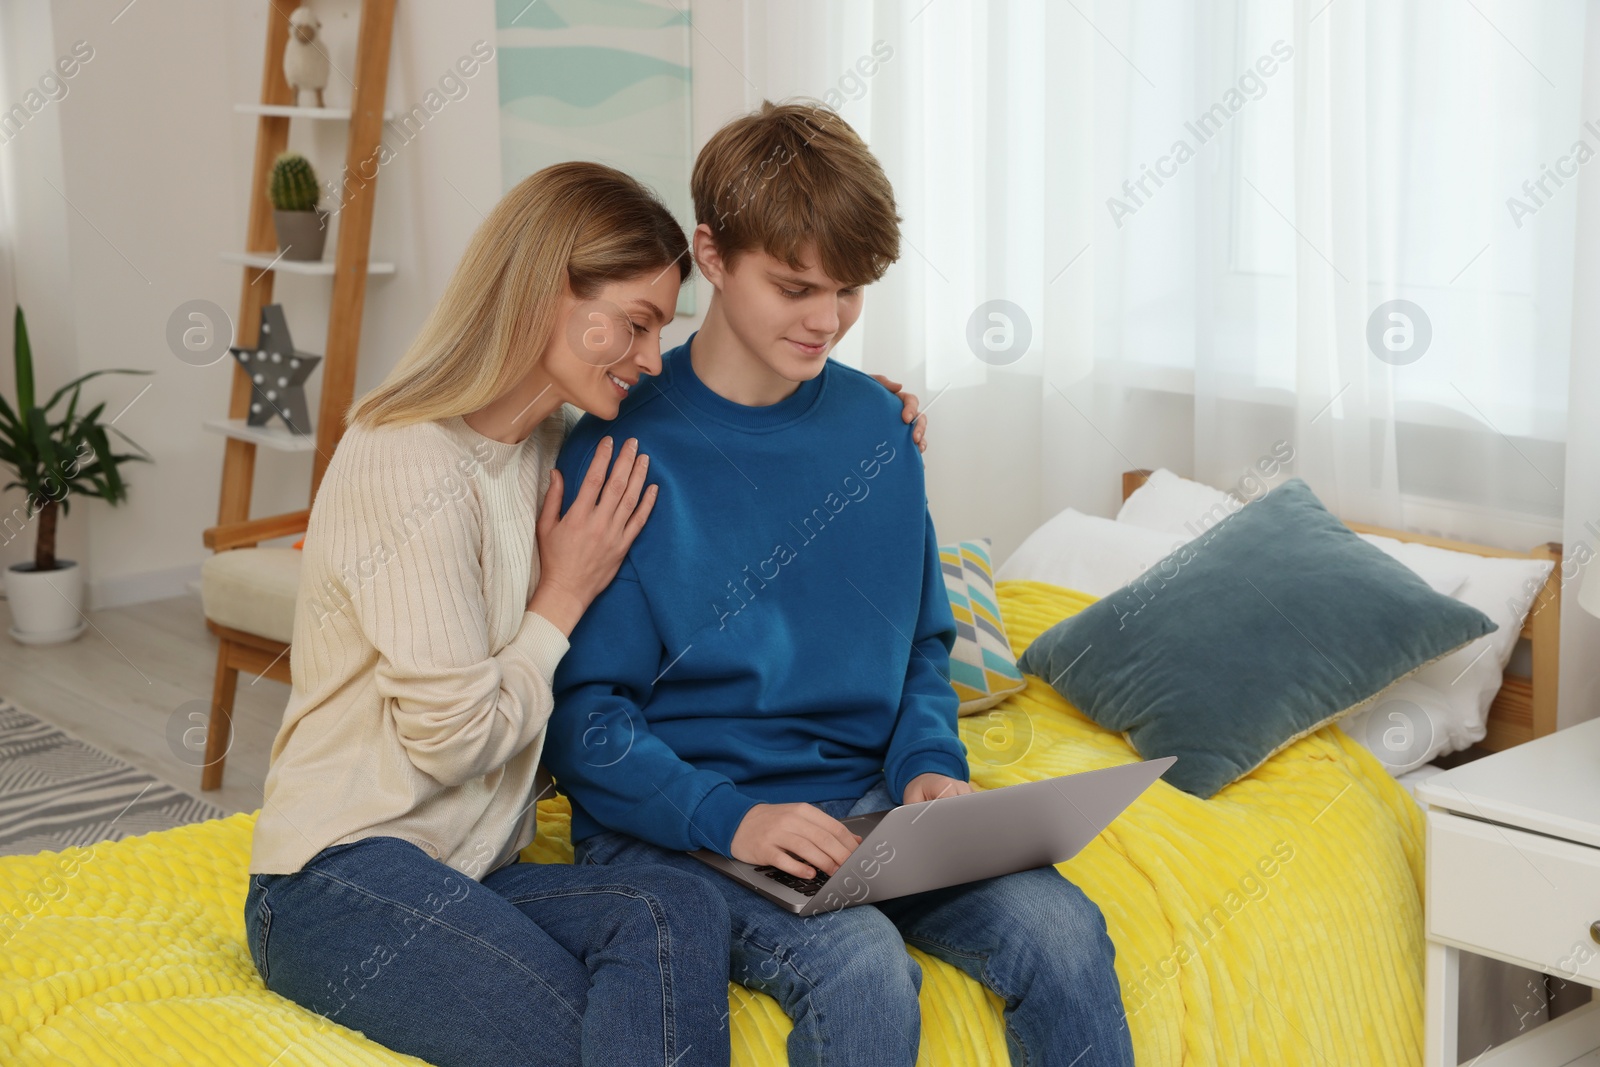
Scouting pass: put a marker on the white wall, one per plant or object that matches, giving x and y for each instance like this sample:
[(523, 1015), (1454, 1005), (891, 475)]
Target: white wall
[(36, 268), (153, 166)]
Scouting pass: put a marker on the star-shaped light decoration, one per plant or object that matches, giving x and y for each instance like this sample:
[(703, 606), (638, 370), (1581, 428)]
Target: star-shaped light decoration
[(277, 374)]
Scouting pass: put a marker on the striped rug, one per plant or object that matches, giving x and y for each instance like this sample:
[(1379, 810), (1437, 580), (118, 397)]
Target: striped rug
[(57, 791)]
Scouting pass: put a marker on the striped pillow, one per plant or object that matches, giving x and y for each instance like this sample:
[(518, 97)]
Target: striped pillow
[(983, 671)]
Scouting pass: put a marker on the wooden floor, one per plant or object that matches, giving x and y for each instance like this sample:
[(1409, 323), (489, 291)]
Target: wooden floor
[(131, 679)]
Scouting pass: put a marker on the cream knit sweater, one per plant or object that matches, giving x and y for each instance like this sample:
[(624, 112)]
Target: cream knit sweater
[(421, 684)]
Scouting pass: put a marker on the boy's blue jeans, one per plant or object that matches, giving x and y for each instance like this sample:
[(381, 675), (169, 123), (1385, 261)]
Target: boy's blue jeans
[(846, 980), (540, 963)]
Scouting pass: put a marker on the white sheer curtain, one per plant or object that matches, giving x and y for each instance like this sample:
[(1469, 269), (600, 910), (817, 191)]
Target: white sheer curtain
[(1195, 306), (1218, 308)]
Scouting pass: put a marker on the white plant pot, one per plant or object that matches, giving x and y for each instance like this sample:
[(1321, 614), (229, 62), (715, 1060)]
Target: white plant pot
[(46, 606)]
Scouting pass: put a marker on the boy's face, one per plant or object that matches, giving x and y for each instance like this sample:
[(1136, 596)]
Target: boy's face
[(602, 346), (788, 319)]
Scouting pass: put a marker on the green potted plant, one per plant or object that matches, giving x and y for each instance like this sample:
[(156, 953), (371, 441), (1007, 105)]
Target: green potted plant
[(53, 461), (302, 226)]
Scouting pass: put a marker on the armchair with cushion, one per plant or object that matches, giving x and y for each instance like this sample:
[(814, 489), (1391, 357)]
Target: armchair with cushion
[(248, 594)]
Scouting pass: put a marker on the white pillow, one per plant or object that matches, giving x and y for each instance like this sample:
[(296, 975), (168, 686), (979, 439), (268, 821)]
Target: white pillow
[(1444, 571), (1470, 677), (1446, 704), (1175, 505), (1405, 726), (1087, 553)]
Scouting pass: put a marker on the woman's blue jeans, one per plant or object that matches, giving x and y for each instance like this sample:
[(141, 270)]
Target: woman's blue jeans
[(537, 964)]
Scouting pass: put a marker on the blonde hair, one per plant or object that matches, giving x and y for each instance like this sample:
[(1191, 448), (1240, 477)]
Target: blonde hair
[(582, 224), (794, 173)]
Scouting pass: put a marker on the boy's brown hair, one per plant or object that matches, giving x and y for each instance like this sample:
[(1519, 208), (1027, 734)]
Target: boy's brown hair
[(790, 174)]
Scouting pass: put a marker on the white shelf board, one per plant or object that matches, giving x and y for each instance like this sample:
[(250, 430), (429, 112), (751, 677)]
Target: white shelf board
[(294, 112), (264, 261), (274, 435)]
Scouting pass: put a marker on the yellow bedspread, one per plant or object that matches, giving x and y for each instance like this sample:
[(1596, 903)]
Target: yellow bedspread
[(1279, 922)]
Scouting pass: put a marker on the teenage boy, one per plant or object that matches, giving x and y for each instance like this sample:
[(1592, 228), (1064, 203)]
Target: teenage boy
[(773, 654)]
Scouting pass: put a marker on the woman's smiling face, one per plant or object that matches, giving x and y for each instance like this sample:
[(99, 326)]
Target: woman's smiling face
[(602, 345)]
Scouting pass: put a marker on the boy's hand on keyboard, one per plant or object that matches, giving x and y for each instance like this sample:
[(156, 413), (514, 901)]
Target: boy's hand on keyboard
[(931, 786), (800, 839)]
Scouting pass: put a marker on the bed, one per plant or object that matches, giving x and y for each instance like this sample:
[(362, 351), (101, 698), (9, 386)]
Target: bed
[(1279, 922)]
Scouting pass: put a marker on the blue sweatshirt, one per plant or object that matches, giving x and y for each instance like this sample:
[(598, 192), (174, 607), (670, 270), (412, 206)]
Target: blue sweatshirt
[(778, 632)]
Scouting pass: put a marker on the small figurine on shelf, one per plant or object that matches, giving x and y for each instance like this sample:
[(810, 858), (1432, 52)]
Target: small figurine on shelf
[(305, 64), (277, 374)]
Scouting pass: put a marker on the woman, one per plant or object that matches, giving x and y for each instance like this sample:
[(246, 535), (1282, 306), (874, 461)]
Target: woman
[(439, 585)]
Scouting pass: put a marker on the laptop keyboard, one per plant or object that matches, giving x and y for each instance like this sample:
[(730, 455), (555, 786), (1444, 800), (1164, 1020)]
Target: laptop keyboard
[(806, 886)]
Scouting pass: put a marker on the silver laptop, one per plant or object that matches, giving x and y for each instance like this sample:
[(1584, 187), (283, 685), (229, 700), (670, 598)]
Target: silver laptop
[(951, 840)]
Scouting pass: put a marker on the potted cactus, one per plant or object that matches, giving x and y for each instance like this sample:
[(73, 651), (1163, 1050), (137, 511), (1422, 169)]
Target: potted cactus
[(302, 226), (54, 462)]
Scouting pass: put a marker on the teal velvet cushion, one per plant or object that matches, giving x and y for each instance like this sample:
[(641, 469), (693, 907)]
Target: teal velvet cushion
[(1273, 623)]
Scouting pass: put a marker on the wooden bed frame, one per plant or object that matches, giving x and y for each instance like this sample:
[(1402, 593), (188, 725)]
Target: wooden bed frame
[(1525, 707)]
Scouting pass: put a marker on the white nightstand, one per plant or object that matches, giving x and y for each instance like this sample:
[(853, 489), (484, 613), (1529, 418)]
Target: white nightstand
[(1514, 873)]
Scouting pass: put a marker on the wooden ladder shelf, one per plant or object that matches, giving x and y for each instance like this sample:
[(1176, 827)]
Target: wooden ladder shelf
[(235, 529)]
